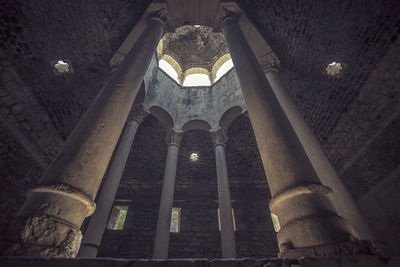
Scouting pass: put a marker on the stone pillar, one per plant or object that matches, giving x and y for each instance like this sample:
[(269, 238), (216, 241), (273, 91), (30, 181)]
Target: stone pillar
[(304, 218), (341, 198), (49, 222), (228, 242), (161, 240), (98, 221)]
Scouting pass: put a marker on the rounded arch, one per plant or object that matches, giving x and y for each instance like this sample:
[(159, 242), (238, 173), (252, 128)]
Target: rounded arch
[(163, 116), (196, 124), (174, 64), (229, 116), (218, 64), (196, 71)]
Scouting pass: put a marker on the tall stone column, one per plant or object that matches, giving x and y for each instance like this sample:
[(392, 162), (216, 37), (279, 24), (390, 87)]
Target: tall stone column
[(341, 198), (304, 218), (228, 242), (161, 240), (98, 221), (50, 220)]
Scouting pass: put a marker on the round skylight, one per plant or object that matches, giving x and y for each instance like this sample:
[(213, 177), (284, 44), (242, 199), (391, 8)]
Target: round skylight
[(194, 157), (334, 68), (61, 66)]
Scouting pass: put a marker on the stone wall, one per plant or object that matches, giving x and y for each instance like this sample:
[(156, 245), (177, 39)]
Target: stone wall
[(196, 195), (18, 172), (140, 189), (207, 103)]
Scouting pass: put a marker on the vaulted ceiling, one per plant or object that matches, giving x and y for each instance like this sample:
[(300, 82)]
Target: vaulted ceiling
[(355, 116)]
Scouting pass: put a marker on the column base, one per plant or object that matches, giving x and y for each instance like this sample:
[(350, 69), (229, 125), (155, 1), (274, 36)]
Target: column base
[(44, 236), (358, 247)]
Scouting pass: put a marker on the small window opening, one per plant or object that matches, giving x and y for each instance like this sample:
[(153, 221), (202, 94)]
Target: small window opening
[(117, 218), (194, 157), (175, 220), (61, 66), (233, 220), (334, 68)]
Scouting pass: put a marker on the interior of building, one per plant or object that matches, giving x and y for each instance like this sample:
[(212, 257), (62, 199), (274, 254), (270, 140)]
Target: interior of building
[(170, 130)]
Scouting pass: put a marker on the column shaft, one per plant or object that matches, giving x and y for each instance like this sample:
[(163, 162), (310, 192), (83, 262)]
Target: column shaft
[(98, 221), (228, 242), (340, 196), (53, 213), (305, 216), (161, 240)]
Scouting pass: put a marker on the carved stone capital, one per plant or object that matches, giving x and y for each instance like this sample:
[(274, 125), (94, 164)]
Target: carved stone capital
[(173, 138), (219, 137), (137, 114), (159, 11)]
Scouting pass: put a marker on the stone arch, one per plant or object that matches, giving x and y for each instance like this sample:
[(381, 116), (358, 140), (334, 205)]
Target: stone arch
[(196, 124), (229, 116), (163, 116)]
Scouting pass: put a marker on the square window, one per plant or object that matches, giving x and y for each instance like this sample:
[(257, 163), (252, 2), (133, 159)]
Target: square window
[(117, 218), (175, 220), (233, 220)]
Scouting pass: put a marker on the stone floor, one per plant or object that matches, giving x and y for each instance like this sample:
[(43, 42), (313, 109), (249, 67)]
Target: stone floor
[(353, 261)]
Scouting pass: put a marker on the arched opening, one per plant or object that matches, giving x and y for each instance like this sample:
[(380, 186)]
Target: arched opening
[(165, 66), (227, 66), (196, 125), (197, 79)]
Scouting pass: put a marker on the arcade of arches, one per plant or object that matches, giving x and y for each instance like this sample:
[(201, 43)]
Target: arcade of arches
[(145, 142)]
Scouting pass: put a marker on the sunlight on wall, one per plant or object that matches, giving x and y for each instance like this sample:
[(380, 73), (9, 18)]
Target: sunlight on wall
[(197, 80), (224, 69), (165, 66)]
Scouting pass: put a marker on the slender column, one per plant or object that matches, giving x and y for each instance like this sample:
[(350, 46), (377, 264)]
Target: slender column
[(161, 240), (341, 198), (50, 220), (303, 216), (228, 242), (98, 221)]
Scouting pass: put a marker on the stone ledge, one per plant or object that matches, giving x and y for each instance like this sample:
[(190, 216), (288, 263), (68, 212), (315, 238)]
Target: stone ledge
[(353, 261)]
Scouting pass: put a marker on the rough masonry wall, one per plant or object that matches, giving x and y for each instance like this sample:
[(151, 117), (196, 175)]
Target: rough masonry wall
[(140, 189), (18, 172), (255, 235), (87, 33), (196, 195)]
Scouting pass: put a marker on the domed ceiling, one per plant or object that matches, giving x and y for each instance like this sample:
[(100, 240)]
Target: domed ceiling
[(193, 46)]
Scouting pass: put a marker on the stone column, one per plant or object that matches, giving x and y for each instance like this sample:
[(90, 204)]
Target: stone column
[(341, 198), (50, 220), (161, 240), (98, 221), (304, 218), (228, 242)]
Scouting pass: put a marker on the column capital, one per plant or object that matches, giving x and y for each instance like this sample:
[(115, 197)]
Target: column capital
[(173, 138), (159, 12), (137, 114), (219, 137)]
